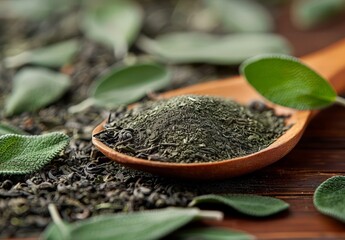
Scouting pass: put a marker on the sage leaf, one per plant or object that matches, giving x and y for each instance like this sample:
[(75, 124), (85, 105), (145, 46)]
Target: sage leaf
[(114, 23), (8, 129), (193, 47), (35, 10), (34, 88), (145, 225), (252, 205), (125, 85), (211, 234), (309, 14), (54, 55), (329, 198), (242, 15), (22, 154), (286, 81)]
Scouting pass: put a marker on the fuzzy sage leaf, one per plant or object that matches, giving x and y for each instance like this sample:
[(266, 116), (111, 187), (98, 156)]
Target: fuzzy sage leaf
[(329, 198), (193, 47), (286, 81), (252, 205), (114, 23), (125, 85), (34, 88), (22, 154), (211, 234), (50, 56), (9, 129), (242, 15), (308, 14), (145, 225)]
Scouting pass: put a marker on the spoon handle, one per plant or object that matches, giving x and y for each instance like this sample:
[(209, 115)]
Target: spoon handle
[(330, 63)]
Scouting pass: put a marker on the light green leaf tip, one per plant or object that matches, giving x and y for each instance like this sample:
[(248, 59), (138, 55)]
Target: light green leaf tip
[(34, 88), (211, 233), (286, 81), (114, 23), (196, 47), (252, 205), (308, 14), (329, 198), (242, 15), (54, 55), (6, 128), (22, 154), (144, 225)]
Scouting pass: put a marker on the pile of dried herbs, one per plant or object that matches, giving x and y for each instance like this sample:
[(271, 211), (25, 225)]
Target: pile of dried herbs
[(191, 129)]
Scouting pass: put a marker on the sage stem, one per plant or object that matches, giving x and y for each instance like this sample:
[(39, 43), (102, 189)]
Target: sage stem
[(340, 101), (58, 221)]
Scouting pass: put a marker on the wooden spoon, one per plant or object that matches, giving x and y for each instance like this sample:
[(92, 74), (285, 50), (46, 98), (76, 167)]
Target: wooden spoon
[(329, 62)]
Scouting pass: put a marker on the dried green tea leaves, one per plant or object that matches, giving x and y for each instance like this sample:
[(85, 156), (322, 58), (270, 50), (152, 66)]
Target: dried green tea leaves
[(191, 129), (308, 14), (22, 154), (34, 88), (252, 205), (242, 15), (211, 233), (54, 55), (125, 85), (329, 198), (114, 23), (193, 47), (9, 129), (144, 225), (286, 81)]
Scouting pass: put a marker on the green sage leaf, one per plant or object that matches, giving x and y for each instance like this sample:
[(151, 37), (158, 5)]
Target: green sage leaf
[(211, 234), (196, 47), (54, 55), (145, 225), (308, 14), (34, 9), (242, 15), (329, 198), (125, 85), (34, 88), (22, 154), (6, 128), (252, 205), (286, 81), (114, 23)]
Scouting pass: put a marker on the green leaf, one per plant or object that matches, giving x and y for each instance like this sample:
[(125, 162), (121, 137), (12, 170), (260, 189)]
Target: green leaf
[(196, 47), (125, 85), (33, 9), (145, 225), (329, 198), (242, 15), (252, 205), (54, 55), (114, 23), (9, 129), (286, 81), (308, 14), (34, 88), (22, 154), (211, 234)]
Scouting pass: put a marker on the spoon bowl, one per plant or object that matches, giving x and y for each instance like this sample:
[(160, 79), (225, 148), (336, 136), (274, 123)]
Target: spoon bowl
[(326, 62)]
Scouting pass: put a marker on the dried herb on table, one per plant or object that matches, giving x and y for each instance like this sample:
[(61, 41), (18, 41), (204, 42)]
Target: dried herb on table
[(190, 129)]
